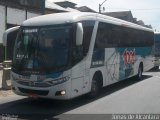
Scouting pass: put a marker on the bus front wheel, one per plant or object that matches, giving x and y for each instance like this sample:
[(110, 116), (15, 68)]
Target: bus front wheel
[(95, 88)]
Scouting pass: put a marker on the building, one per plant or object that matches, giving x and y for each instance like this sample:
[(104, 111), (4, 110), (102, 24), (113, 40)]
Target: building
[(85, 9), (127, 16), (70, 6), (14, 12), (124, 15), (66, 4), (53, 8)]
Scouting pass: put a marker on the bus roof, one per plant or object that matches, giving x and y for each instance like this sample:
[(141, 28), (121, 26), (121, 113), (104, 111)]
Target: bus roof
[(70, 17)]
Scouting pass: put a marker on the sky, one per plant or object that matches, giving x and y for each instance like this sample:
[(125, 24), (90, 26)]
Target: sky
[(146, 10)]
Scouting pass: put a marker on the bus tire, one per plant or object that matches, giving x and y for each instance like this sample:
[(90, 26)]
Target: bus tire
[(140, 71), (156, 68), (95, 88)]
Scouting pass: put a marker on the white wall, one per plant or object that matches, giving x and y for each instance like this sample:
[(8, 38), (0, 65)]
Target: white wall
[(30, 15), (2, 22), (15, 16)]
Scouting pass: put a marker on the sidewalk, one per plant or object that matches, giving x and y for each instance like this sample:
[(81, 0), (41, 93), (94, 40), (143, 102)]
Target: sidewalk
[(4, 93)]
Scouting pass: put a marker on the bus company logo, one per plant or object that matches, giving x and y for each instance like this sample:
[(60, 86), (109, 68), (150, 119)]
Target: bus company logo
[(129, 56)]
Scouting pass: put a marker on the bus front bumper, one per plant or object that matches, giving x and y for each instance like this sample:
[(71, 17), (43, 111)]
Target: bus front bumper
[(60, 91)]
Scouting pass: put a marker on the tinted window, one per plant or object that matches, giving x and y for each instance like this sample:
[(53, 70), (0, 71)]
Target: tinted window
[(87, 30), (43, 48), (109, 35)]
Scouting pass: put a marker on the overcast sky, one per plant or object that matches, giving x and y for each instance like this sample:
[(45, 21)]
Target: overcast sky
[(146, 10)]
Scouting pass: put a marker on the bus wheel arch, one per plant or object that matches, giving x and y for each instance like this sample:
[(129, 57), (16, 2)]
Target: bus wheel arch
[(96, 84)]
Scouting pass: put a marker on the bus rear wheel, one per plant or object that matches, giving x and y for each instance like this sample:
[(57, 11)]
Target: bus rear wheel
[(156, 68), (140, 71)]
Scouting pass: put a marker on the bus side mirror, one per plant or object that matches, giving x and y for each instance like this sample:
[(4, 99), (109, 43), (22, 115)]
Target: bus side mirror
[(79, 34), (7, 32)]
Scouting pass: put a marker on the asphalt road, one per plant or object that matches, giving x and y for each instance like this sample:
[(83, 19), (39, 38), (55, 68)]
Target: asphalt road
[(126, 97)]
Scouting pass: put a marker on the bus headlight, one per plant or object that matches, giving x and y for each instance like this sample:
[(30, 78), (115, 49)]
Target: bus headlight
[(58, 81)]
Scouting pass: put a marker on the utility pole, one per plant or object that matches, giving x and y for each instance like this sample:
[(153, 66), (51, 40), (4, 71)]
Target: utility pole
[(100, 5)]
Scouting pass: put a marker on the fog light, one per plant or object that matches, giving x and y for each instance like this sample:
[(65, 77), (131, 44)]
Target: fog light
[(63, 92), (60, 93)]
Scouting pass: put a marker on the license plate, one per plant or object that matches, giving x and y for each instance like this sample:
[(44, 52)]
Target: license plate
[(32, 95)]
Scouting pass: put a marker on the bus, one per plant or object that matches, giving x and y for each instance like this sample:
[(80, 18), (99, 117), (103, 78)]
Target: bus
[(65, 55), (157, 50)]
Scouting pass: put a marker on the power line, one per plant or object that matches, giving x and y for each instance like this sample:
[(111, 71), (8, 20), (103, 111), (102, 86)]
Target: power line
[(137, 9)]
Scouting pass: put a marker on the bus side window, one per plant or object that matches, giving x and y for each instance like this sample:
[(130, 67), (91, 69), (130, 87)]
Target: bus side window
[(88, 30), (104, 36)]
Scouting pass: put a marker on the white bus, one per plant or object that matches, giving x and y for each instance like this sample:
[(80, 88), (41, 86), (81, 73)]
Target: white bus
[(65, 55)]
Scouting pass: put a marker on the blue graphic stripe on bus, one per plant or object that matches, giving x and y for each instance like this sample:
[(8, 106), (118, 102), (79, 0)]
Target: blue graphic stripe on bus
[(98, 57), (127, 60), (128, 56), (143, 51)]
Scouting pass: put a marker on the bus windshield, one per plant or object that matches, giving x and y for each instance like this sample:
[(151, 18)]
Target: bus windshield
[(42, 48)]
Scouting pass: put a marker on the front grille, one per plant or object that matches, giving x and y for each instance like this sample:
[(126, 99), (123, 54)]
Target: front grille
[(38, 84), (23, 83), (37, 92), (34, 84)]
